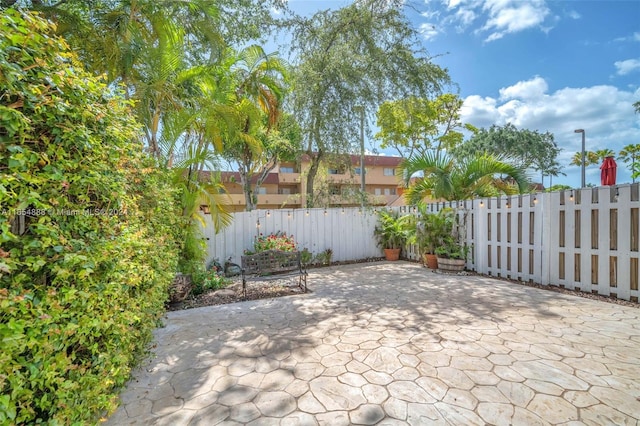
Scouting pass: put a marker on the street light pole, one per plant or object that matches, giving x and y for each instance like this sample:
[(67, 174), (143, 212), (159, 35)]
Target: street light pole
[(583, 156), (362, 183), (360, 109)]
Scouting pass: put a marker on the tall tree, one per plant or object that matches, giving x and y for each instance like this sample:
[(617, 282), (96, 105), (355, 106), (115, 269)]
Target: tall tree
[(153, 46), (461, 178), (256, 146), (357, 56), (601, 154), (527, 148), (591, 158), (630, 154), (415, 125)]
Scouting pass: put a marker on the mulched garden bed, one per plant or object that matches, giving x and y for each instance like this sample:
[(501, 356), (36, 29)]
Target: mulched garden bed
[(233, 294)]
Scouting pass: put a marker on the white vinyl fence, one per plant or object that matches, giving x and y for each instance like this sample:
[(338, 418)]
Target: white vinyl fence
[(348, 232), (586, 239)]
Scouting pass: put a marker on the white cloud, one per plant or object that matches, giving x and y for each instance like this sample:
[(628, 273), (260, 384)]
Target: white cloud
[(507, 17), (452, 4), (428, 31), (465, 17), (628, 66), (479, 111), (573, 14), (531, 89), (605, 112), (495, 17), (632, 38)]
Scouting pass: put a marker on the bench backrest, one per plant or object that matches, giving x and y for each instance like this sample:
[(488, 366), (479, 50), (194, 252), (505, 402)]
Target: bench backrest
[(271, 261)]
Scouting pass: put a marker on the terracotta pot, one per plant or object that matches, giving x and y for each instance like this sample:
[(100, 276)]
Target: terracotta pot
[(392, 254), (451, 265), (430, 260)]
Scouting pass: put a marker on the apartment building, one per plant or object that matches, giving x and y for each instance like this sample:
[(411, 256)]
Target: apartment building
[(285, 186)]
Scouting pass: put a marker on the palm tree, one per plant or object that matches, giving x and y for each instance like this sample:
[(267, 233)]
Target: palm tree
[(449, 178), (604, 153), (261, 80), (591, 159), (631, 154)]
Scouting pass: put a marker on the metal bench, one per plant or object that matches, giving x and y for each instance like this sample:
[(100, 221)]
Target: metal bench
[(273, 265)]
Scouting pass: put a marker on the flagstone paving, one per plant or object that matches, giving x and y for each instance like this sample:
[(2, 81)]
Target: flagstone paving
[(392, 343)]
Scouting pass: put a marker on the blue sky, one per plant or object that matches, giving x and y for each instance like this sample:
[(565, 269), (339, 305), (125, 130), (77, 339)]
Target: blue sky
[(550, 66)]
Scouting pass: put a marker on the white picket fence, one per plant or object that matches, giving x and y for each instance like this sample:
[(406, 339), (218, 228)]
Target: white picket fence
[(583, 239)]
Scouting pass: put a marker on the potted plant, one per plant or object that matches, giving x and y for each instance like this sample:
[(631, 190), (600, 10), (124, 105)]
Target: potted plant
[(392, 233), (452, 255), (431, 231)]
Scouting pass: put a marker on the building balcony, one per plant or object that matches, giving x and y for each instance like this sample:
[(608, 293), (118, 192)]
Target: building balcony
[(289, 177), (277, 200)]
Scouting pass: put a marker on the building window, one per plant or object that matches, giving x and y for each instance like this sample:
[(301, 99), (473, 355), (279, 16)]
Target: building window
[(334, 171), (388, 171), (389, 191), (378, 191), (357, 171), (262, 190), (286, 169), (285, 191)]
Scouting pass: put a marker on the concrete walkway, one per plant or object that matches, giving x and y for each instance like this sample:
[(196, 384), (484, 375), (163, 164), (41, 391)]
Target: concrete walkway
[(394, 344)]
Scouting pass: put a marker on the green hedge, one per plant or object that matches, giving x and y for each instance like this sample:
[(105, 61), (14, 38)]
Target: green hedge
[(88, 242)]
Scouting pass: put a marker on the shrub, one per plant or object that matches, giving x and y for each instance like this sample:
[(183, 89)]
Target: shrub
[(87, 233), (210, 279), (278, 241)]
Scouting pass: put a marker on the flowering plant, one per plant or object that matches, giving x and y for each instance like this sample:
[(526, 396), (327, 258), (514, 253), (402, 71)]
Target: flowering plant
[(278, 241)]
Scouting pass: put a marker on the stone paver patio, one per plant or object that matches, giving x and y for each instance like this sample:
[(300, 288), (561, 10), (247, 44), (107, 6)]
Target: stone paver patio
[(394, 344)]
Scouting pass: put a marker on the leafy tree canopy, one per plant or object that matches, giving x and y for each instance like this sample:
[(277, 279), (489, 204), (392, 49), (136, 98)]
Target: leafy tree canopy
[(557, 188), (415, 125), (351, 58), (526, 148)]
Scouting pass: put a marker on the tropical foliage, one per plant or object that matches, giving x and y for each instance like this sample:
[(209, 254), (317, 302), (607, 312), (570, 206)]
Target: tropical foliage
[(449, 178), (630, 155), (432, 229), (393, 230), (591, 158)]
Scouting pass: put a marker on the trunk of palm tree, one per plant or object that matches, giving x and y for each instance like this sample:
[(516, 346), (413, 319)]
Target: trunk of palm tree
[(250, 197)]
